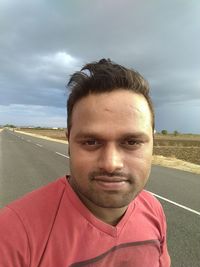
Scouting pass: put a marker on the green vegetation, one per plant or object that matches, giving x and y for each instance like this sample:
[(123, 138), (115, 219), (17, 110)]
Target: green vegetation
[(10, 126), (164, 132), (176, 133)]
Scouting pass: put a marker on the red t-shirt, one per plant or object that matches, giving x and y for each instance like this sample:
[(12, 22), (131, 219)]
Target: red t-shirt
[(51, 227)]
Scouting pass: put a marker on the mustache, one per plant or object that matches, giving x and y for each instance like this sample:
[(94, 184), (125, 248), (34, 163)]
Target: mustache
[(95, 174)]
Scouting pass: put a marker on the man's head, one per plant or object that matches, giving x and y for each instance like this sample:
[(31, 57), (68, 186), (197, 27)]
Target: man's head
[(110, 136), (105, 76)]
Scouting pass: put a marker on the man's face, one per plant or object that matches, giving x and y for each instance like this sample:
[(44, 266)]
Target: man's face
[(110, 146)]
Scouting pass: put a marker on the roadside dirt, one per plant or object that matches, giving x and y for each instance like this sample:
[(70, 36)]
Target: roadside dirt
[(171, 162), (44, 137)]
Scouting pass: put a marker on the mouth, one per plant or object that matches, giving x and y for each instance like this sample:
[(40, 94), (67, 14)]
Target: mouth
[(111, 183)]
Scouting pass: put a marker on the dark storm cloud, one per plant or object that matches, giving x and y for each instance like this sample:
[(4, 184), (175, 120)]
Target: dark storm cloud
[(42, 42)]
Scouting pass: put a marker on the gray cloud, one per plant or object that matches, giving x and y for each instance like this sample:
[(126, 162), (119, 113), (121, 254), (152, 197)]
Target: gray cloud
[(43, 42)]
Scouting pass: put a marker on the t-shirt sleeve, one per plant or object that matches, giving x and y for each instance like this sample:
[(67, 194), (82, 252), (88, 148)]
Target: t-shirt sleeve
[(14, 246)]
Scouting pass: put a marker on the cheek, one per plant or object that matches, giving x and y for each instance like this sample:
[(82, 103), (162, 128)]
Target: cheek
[(80, 165), (145, 170), (140, 166), (81, 158), (76, 164)]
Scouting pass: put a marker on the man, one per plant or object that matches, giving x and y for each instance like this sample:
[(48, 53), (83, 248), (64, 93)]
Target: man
[(99, 215)]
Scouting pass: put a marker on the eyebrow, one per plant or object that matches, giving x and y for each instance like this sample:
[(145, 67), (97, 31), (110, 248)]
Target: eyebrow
[(82, 135), (136, 135)]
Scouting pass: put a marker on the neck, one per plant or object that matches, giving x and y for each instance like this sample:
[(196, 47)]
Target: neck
[(108, 215)]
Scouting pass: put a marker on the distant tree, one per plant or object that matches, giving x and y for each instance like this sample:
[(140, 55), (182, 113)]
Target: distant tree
[(175, 133), (164, 132), (10, 126)]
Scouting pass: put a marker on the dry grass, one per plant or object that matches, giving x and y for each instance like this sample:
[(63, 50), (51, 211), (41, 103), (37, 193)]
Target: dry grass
[(179, 137), (55, 134), (183, 147)]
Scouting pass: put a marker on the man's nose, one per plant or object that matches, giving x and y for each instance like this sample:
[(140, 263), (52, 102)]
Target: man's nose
[(111, 159)]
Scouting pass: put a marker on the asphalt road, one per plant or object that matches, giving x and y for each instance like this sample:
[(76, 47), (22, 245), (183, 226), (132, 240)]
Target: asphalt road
[(27, 163)]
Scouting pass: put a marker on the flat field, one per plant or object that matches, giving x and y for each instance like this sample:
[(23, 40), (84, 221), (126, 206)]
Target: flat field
[(183, 146)]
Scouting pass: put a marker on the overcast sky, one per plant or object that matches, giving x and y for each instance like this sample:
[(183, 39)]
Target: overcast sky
[(42, 42)]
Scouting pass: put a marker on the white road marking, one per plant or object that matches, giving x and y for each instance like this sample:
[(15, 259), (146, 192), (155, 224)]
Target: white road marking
[(176, 204), (39, 145), (62, 155)]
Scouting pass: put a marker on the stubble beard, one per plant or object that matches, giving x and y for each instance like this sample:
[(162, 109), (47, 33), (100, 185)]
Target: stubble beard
[(111, 199)]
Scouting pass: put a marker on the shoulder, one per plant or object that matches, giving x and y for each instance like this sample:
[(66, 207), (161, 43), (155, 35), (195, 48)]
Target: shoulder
[(150, 203), (147, 197), (37, 208), (41, 197), (150, 212), (29, 220)]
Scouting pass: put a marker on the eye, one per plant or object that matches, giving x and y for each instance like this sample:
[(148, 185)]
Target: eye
[(91, 144), (131, 143)]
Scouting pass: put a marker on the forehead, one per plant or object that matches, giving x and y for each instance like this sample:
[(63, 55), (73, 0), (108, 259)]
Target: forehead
[(119, 109)]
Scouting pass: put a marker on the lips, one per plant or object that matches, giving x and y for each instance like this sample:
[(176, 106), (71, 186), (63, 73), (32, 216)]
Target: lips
[(111, 183), (109, 179)]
